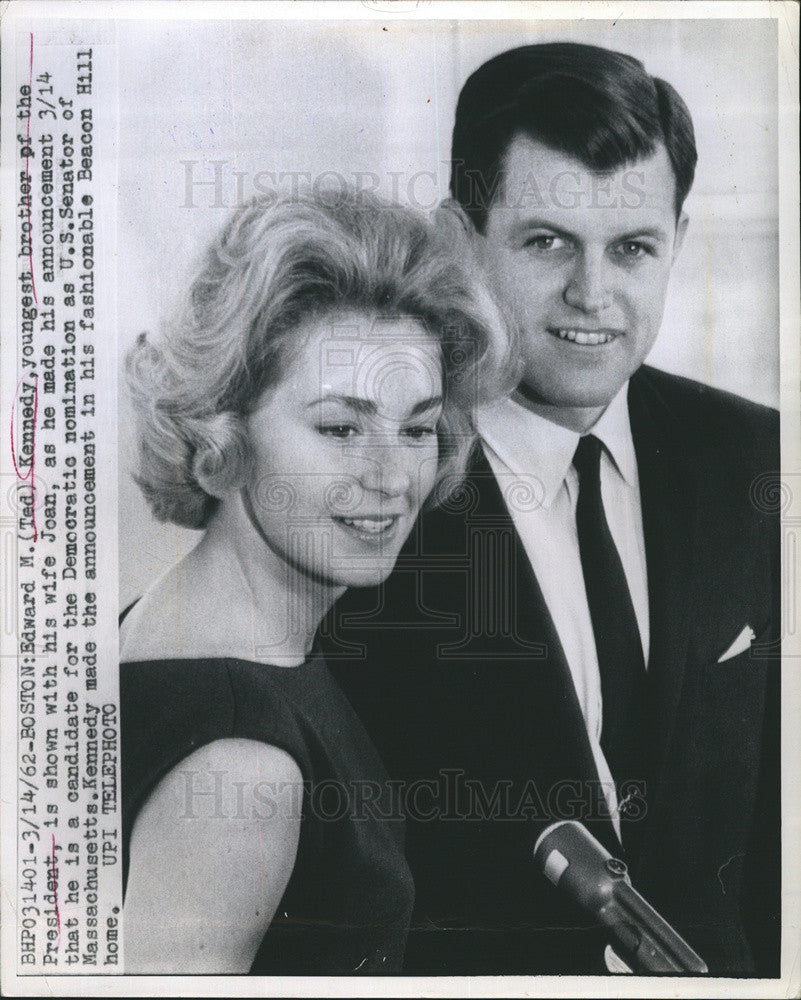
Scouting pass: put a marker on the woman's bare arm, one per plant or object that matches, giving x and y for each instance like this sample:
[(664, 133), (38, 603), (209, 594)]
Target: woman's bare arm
[(210, 856)]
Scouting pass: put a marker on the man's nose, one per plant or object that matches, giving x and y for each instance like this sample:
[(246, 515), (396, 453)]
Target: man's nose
[(589, 285)]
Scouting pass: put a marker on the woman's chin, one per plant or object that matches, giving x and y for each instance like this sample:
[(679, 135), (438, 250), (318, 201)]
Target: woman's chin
[(369, 575)]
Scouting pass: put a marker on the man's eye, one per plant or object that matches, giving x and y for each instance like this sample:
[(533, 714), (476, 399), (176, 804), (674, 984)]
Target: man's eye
[(634, 249), (339, 431), (545, 241)]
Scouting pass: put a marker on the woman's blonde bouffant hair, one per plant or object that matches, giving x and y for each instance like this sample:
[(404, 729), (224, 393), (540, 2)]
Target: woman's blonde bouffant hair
[(277, 262)]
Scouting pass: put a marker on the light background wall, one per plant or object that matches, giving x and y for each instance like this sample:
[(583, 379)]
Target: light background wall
[(377, 99)]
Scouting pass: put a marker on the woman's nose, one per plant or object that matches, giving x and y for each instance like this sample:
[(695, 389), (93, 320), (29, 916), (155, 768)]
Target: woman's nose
[(386, 470)]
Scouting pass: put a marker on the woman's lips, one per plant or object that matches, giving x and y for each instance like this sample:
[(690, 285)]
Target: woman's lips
[(370, 528)]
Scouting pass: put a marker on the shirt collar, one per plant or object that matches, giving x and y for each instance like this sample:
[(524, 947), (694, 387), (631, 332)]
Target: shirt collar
[(613, 428), (534, 448)]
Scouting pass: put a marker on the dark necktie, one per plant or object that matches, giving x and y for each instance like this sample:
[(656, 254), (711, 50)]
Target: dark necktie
[(617, 635)]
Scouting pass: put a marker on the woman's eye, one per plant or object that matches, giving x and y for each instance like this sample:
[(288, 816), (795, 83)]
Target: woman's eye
[(420, 431), (339, 431)]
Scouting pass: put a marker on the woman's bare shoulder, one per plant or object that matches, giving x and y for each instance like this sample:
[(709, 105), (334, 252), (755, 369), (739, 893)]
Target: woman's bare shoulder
[(231, 764), (211, 852)]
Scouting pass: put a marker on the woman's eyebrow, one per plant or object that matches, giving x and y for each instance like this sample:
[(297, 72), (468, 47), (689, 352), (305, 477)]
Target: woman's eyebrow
[(357, 403), (425, 404), (368, 406)]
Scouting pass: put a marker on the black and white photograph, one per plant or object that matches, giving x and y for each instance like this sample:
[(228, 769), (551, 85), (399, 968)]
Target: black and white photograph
[(401, 509)]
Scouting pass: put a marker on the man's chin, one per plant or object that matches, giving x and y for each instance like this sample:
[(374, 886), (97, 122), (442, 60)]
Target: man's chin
[(565, 381), (569, 397)]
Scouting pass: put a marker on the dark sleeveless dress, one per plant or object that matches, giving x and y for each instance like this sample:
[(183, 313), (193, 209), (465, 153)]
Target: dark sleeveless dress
[(347, 906)]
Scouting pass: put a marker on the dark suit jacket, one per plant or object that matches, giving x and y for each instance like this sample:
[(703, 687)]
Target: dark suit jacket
[(455, 667)]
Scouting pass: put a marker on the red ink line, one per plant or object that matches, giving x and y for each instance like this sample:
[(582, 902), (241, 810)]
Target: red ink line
[(55, 888), (29, 475), (28, 173)]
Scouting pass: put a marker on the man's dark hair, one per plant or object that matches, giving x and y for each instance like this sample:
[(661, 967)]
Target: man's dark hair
[(598, 106)]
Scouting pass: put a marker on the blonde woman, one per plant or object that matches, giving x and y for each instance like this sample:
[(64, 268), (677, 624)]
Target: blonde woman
[(315, 390)]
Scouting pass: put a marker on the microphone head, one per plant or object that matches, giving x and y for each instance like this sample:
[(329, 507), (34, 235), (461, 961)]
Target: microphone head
[(581, 868), (572, 859)]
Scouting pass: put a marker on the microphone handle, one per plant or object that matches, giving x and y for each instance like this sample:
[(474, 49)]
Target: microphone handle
[(648, 941)]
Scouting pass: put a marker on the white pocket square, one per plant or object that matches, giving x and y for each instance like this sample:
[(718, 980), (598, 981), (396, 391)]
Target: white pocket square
[(740, 644)]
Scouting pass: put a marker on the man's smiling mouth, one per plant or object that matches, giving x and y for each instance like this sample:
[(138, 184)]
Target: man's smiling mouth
[(585, 338)]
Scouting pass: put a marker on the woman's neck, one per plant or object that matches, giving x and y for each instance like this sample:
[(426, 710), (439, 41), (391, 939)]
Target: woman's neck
[(266, 602)]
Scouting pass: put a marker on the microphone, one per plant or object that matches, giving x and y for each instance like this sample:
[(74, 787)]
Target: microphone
[(573, 860)]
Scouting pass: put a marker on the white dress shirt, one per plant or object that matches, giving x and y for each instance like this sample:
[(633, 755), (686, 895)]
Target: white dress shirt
[(532, 460)]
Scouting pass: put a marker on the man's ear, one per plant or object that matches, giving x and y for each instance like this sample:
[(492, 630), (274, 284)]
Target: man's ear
[(681, 232), (450, 215)]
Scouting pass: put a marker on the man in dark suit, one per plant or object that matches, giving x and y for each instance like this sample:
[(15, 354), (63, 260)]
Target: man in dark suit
[(588, 628)]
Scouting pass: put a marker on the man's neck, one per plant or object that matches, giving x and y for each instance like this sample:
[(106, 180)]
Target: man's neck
[(574, 418)]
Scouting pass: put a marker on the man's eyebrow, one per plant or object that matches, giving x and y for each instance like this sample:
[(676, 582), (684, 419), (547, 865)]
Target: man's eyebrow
[(652, 232), (525, 225)]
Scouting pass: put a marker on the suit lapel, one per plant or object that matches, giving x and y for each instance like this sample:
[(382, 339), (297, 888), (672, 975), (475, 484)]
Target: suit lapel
[(552, 682), (668, 490)]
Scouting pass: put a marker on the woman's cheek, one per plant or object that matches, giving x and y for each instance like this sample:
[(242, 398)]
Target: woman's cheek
[(428, 473)]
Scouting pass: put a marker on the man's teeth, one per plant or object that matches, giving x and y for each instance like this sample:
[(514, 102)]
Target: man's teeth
[(369, 525), (584, 337)]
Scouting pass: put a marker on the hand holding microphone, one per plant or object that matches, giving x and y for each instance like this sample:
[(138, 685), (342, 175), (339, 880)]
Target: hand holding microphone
[(578, 865)]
